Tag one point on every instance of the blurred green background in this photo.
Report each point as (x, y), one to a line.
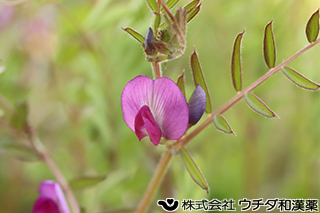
(70, 60)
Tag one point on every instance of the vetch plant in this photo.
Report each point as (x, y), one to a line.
(156, 50)
(157, 108)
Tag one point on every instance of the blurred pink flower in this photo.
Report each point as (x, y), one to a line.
(6, 15)
(155, 107)
(51, 199)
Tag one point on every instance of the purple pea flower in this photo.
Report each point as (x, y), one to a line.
(155, 107)
(197, 105)
(51, 199)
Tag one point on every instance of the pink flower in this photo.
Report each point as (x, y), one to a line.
(156, 108)
(51, 199)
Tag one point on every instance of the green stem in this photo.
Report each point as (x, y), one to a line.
(156, 68)
(155, 182)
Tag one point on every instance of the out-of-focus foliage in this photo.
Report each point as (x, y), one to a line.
(70, 60)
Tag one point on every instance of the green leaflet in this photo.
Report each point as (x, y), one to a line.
(84, 182)
(189, 7)
(157, 21)
(180, 83)
(170, 4)
(153, 5)
(259, 106)
(222, 124)
(312, 28)
(134, 34)
(1, 112)
(236, 63)
(193, 169)
(299, 79)
(20, 118)
(193, 13)
(21, 152)
(269, 46)
(198, 78)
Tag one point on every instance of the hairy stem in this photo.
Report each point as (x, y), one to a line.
(155, 182)
(156, 68)
(185, 140)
